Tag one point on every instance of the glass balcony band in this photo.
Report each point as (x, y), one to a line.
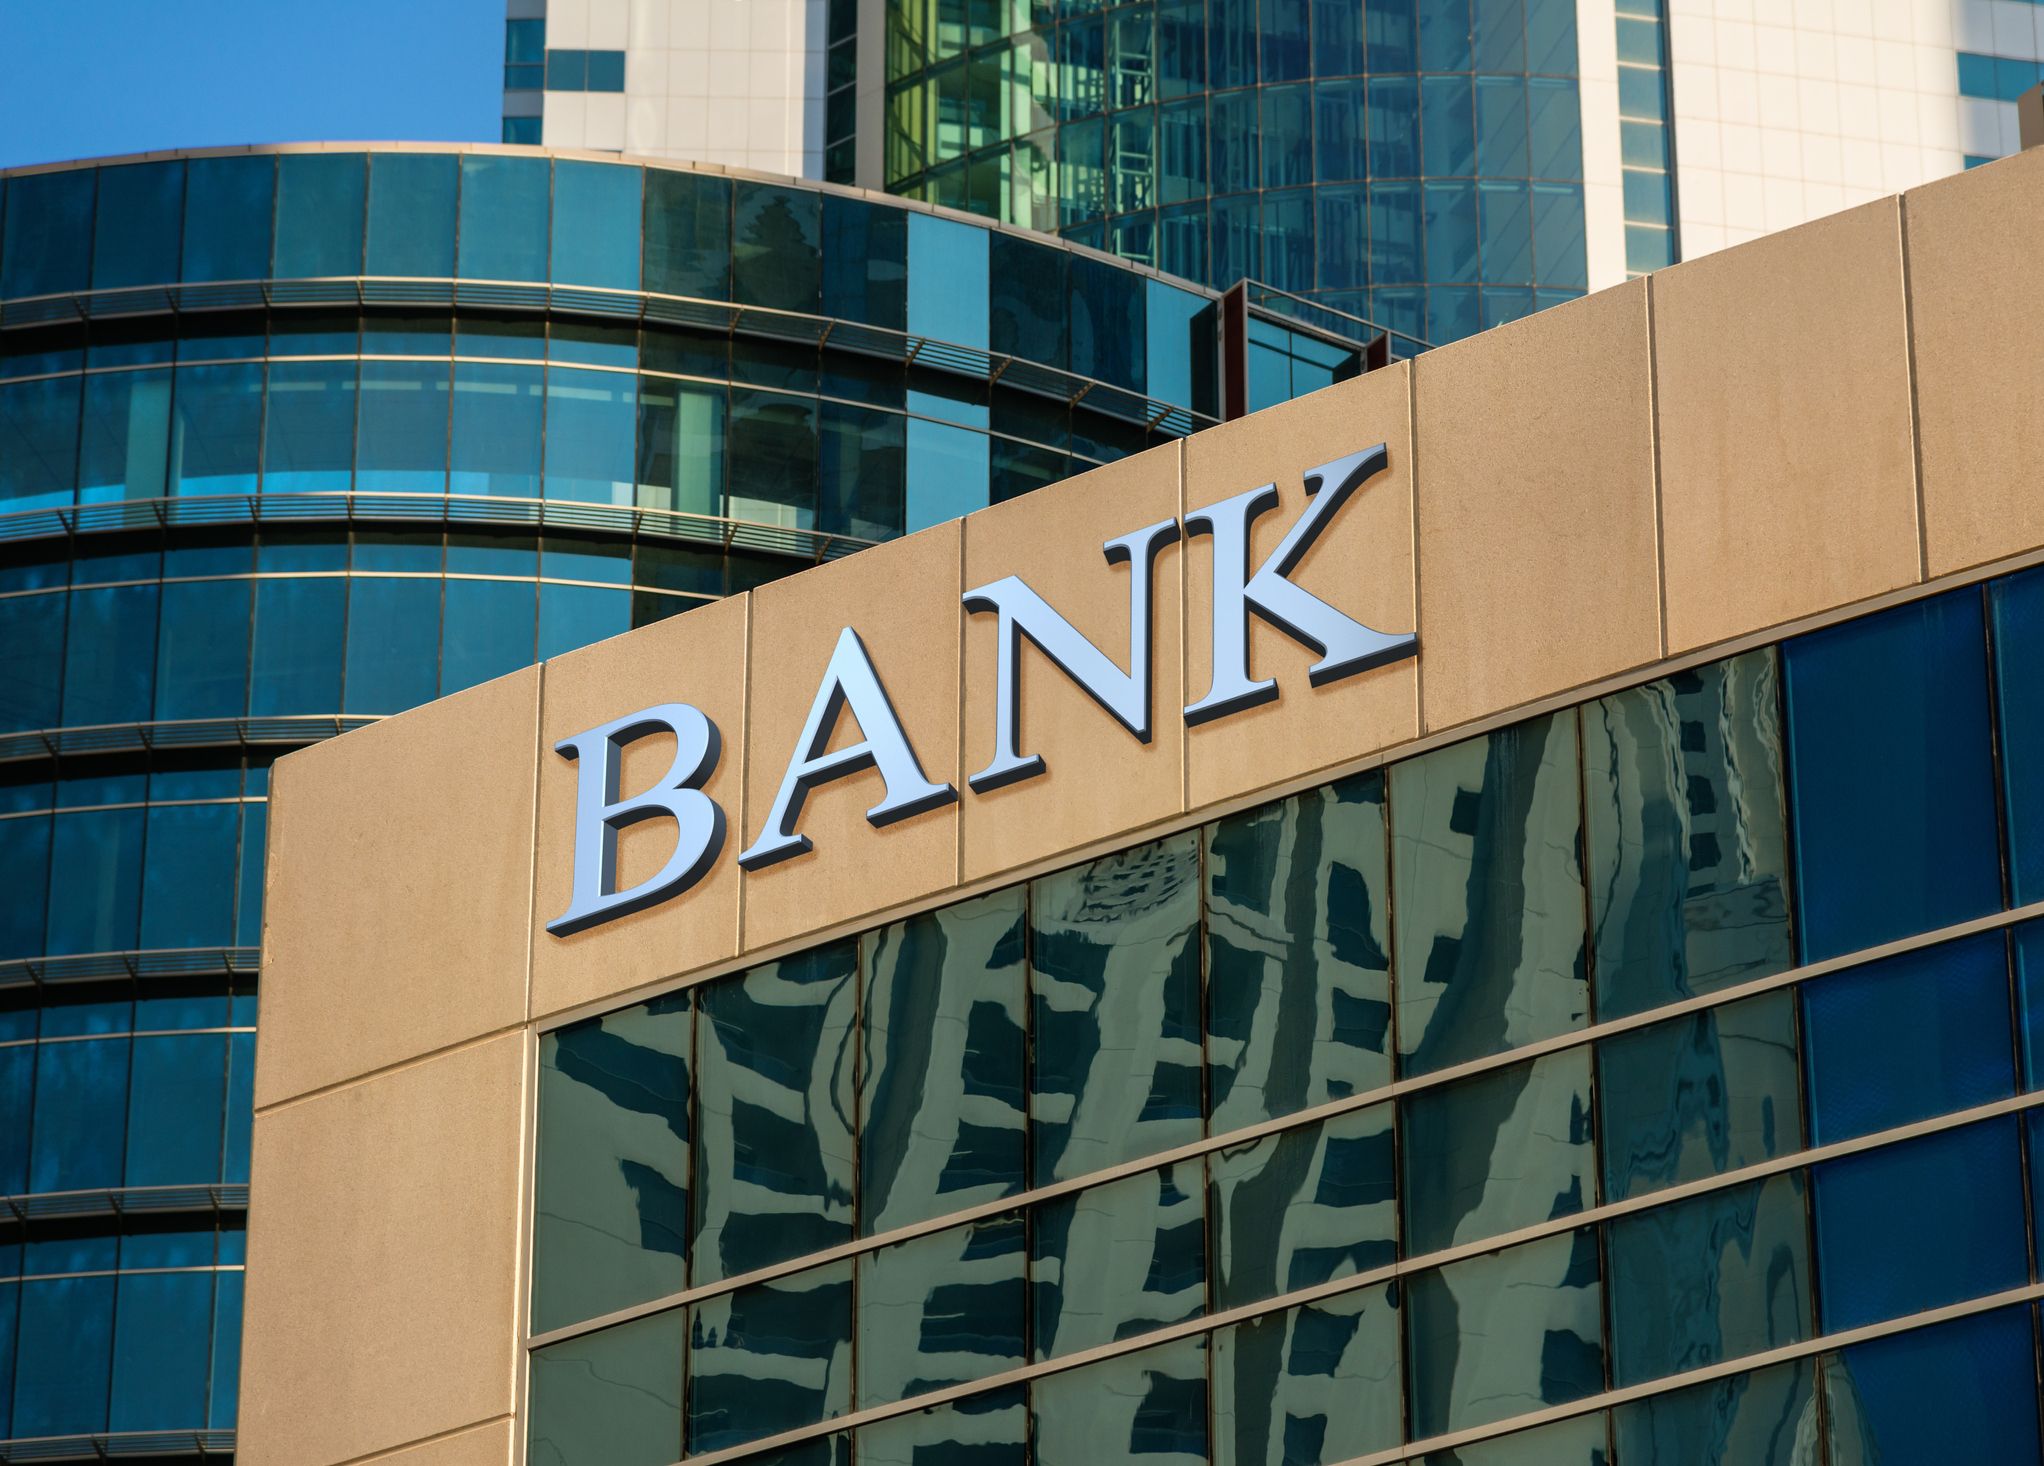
(189, 733)
(115, 1444)
(140, 966)
(1431, 1081)
(122, 1201)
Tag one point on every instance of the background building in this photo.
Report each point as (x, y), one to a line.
(293, 439)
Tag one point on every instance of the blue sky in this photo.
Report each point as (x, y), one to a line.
(88, 78)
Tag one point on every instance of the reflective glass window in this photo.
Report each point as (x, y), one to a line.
(1505, 1334)
(688, 234)
(401, 428)
(518, 337)
(946, 473)
(1490, 932)
(503, 218)
(188, 880)
(572, 616)
(38, 443)
(1026, 309)
(770, 1358)
(320, 198)
(488, 628)
(1303, 1207)
(593, 343)
(492, 554)
(773, 458)
(1718, 1277)
(1915, 1036)
(1961, 1391)
(603, 246)
(1686, 834)
(589, 422)
(993, 1428)
(611, 1398)
(1107, 323)
(498, 421)
(863, 465)
(1699, 1096)
(135, 236)
(2018, 606)
(1149, 1407)
(611, 1218)
(216, 430)
(228, 208)
(81, 1110)
(1580, 1440)
(393, 653)
(681, 447)
(1298, 971)
(46, 234)
(1920, 1224)
(65, 1356)
(1317, 1383)
(1114, 988)
(309, 427)
(1118, 1260)
(776, 259)
(398, 333)
(295, 664)
(124, 446)
(947, 280)
(775, 1105)
(25, 870)
(1893, 780)
(220, 1410)
(412, 198)
(175, 1090)
(1766, 1418)
(108, 666)
(220, 336)
(942, 1310)
(865, 262)
(942, 1063)
(302, 549)
(314, 333)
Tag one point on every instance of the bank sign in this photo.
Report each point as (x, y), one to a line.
(1344, 646)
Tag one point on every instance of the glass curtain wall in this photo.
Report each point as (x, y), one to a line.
(1419, 165)
(1137, 1115)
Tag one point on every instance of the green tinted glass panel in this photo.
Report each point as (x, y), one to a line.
(611, 1398)
(1303, 1207)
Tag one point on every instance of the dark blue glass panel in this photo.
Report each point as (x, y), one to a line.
(80, 1115)
(304, 550)
(776, 255)
(314, 333)
(589, 421)
(401, 428)
(1286, 136)
(1501, 148)
(770, 1358)
(1451, 246)
(1505, 223)
(688, 235)
(1392, 35)
(600, 245)
(2027, 942)
(1891, 775)
(218, 429)
(1915, 1036)
(498, 420)
(226, 1351)
(31, 661)
(46, 237)
(240, 1108)
(1341, 152)
(1920, 1224)
(320, 214)
(163, 1325)
(865, 262)
(125, 443)
(1397, 243)
(10, 1320)
(221, 336)
(228, 207)
(174, 1097)
(188, 876)
(38, 443)
(108, 655)
(17, 1099)
(1447, 126)
(393, 644)
(572, 616)
(503, 218)
(412, 199)
(95, 881)
(1962, 1391)
(488, 631)
(296, 665)
(135, 237)
(2018, 606)
(70, 1250)
(1108, 324)
(25, 872)
(309, 427)
(492, 554)
(64, 1356)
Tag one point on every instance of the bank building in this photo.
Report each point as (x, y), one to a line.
(867, 835)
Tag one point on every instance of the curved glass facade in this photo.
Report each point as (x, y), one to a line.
(1490, 1106)
(1416, 164)
(291, 441)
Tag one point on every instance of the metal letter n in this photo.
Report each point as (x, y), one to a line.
(1346, 646)
(600, 814)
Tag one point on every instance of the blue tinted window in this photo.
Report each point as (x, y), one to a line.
(228, 205)
(80, 1115)
(1920, 1224)
(572, 616)
(492, 554)
(1915, 1036)
(38, 443)
(1107, 324)
(412, 200)
(302, 549)
(2018, 606)
(309, 427)
(135, 238)
(319, 214)
(393, 644)
(296, 663)
(188, 877)
(401, 428)
(775, 256)
(688, 235)
(17, 1096)
(488, 631)
(947, 280)
(1559, 251)
(601, 246)
(46, 236)
(65, 1355)
(108, 664)
(947, 473)
(202, 650)
(147, 341)
(503, 218)
(589, 421)
(1554, 124)
(220, 336)
(1892, 783)
(175, 1093)
(218, 429)
(498, 418)
(25, 871)
(1962, 1391)
(2027, 941)
(163, 1324)
(226, 1350)
(124, 446)
(248, 921)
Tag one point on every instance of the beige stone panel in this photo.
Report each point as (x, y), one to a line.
(398, 886)
(383, 1259)
(1099, 781)
(1361, 565)
(902, 600)
(1787, 476)
(1976, 298)
(696, 658)
(1533, 461)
